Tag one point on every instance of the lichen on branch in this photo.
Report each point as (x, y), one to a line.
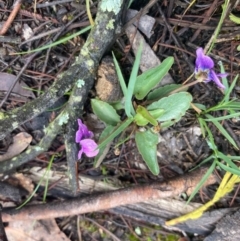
(79, 77)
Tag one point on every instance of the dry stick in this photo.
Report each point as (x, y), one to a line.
(189, 24)
(114, 237)
(3, 236)
(141, 13)
(94, 203)
(81, 73)
(206, 19)
(11, 17)
(100, 39)
(211, 41)
(75, 107)
(175, 39)
(53, 129)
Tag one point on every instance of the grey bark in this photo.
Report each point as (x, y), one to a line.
(80, 76)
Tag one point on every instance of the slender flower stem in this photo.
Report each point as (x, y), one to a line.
(184, 86)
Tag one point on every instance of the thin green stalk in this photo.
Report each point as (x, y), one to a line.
(39, 183)
(211, 43)
(89, 12)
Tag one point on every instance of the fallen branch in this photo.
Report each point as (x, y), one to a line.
(81, 76)
(125, 196)
(84, 68)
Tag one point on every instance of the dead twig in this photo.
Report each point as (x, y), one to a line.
(176, 41)
(11, 17)
(125, 196)
(3, 236)
(206, 18)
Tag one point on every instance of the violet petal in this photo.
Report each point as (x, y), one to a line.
(79, 136)
(89, 147)
(203, 61)
(215, 78)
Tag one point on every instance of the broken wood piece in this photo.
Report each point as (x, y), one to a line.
(170, 188)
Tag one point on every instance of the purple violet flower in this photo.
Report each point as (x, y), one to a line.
(204, 69)
(83, 137)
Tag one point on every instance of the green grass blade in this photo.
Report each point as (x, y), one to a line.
(203, 162)
(225, 7)
(47, 178)
(227, 160)
(223, 117)
(132, 81)
(120, 76)
(62, 40)
(223, 131)
(200, 120)
(236, 158)
(228, 169)
(230, 105)
(116, 132)
(203, 180)
(229, 91)
(39, 183)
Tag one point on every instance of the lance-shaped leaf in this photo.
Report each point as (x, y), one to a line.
(150, 78)
(147, 146)
(132, 81)
(105, 112)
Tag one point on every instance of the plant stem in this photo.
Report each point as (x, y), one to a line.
(184, 86)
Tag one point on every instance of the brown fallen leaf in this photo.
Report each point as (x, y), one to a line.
(29, 230)
(20, 142)
(6, 81)
(22, 180)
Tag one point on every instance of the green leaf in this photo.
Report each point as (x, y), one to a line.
(229, 169)
(228, 160)
(222, 130)
(200, 120)
(200, 106)
(235, 158)
(117, 130)
(122, 83)
(169, 123)
(140, 120)
(161, 92)
(120, 76)
(234, 18)
(133, 77)
(150, 78)
(105, 112)
(143, 112)
(102, 151)
(228, 91)
(233, 105)
(156, 113)
(62, 40)
(224, 79)
(147, 146)
(225, 117)
(174, 106)
(203, 180)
